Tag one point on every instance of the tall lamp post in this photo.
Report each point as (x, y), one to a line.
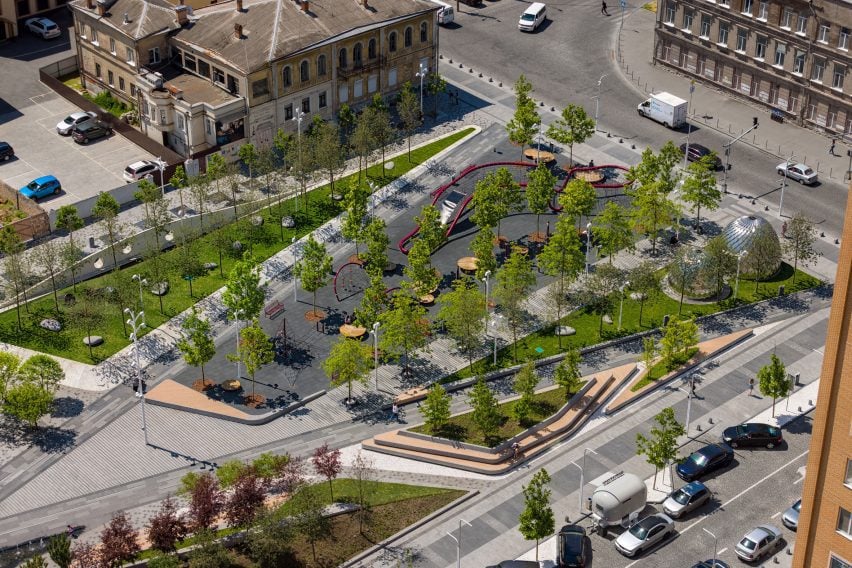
(715, 544)
(588, 244)
(487, 281)
(688, 394)
(598, 101)
(728, 153)
(137, 323)
(142, 282)
(295, 262)
(582, 477)
(494, 337)
(621, 307)
(238, 315)
(737, 282)
(421, 74)
(689, 124)
(376, 352)
(784, 185)
(458, 541)
(298, 116)
(161, 165)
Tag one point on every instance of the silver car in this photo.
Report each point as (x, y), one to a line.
(759, 542)
(802, 173)
(790, 518)
(645, 534)
(687, 498)
(72, 121)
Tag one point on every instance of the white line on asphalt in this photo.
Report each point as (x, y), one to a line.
(721, 551)
(775, 515)
(52, 48)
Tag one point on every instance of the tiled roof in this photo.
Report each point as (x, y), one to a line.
(143, 17)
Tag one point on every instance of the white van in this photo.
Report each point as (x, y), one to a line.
(532, 17)
(445, 12)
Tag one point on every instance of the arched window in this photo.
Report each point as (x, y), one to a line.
(304, 72)
(408, 36)
(341, 58)
(321, 65)
(371, 49)
(424, 32)
(356, 55)
(392, 42)
(287, 77)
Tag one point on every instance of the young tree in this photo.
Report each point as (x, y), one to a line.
(508, 194)
(313, 267)
(364, 473)
(436, 409)
(578, 199)
(408, 108)
(435, 85)
(761, 261)
(376, 238)
(327, 463)
(660, 449)
(382, 131)
(720, 262)
(463, 312)
(539, 192)
(537, 520)
(515, 280)
(355, 203)
(349, 360)
(186, 259)
(373, 303)
(267, 168)
(311, 521)
(166, 527)
(228, 472)
(612, 230)
(16, 268)
(772, 380)
(156, 270)
(269, 541)
(678, 338)
(157, 213)
(431, 230)
(48, 256)
(246, 499)
(222, 241)
(164, 560)
(420, 270)
(9, 364)
(59, 550)
(561, 257)
(205, 502)
(28, 402)
(255, 351)
(598, 289)
(328, 151)
(346, 121)
(196, 343)
(362, 139)
(486, 412)
(244, 295)
(119, 541)
(42, 370)
(67, 219)
(567, 373)
(645, 283)
(487, 206)
(88, 314)
(482, 248)
(649, 352)
(573, 127)
(209, 552)
(799, 246)
(250, 157)
(199, 192)
(405, 328)
(524, 384)
(699, 187)
(524, 124)
(651, 182)
(69, 257)
(122, 293)
(106, 209)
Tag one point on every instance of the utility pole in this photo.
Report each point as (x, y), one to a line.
(728, 153)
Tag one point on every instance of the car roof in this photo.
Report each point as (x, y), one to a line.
(693, 487)
(710, 450)
(760, 532)
(572, 529)
(80, 114)
(42, 19)
(141, 164)
(652, 521)
(4, 144)
(697, 147)
(44, 179)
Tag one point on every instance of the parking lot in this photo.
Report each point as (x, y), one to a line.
(29, 112)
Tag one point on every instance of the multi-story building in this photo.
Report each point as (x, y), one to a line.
(792, 56)
(209, 77)
(824, 536)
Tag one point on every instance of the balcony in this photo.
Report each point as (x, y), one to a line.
(360, 68)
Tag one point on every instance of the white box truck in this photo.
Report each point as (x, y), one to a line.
(665, 108)
(446, 15)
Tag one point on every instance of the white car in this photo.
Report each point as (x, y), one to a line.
(43, 27)
(138, 170)
(70, 122)
(802, 173)
(645, 534)
(759, 542)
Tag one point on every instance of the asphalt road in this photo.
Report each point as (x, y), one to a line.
(565, 58)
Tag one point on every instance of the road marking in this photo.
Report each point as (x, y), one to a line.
(721, 551)
(775, 515)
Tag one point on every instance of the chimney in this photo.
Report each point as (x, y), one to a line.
(90, 4)
(239, 5)
(126, 18)
(305, 6)
(102, 7)
(182, 14)
(365, 3)
(238, 31)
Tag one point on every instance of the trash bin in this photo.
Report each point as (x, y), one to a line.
(781, 290)
(665, 320)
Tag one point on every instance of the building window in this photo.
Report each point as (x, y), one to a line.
(836, 562)
(705, 25)
(725, 3)
(112, 46)
(132, 90)
(94, 36)
(98, 71)
(371, 49)
(818, 69)
(392, 77)
(306, 105)
(848, 479)
(799, 62)
(343, 93)
(321, 66)
(121, 83)
(287, 77)
(760, 47)
(802, 24)
(392, 42)
(372, 83)
(208, 126)
(687, 19)
(408, 34)
(742, 39)
(837, 80)
(154, 55)
(341, 58)
(843, 39)
(162, 117)
(189, 62)
(780, 50)
(748, 5)
(131, 57)
(304, 72)
(787, 18)
(723, 33)
(218, 76)
(323, 101)
(357, 59)
(424, 32)
(110, 78)
(260, 88)
(181, 123)
(763, 10)
(288, 112)
(823, 33)
(42, 5)
(671, 10)
(844, 522)
(23, 7)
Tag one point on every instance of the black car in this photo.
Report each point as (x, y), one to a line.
(89, 131)
(712, 564)
(571, 545)
(6, 151)
(705, 460)
(697, 151)
(752, 434)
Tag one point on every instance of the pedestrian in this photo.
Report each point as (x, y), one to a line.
(784, 229)
(692, 387)
(70, 531)
(516, 451)
(750, 386)
(395, 412)
(603, 8)
(831, 150)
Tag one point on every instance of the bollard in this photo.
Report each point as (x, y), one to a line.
(608, 135)
(830, 171)
(470, 70)
(480, 74)
(541, 103)
(698, 427)
(810, 403)
(91, 242)
(766, 207)
(837, 241)
(500, 84)
(451, 59)
(552, 109)
(461, 65)
(711, 420)
(441, 56)
(822, 233)
(491, 79)
(800, 409)
(621, 140)
(633, 146)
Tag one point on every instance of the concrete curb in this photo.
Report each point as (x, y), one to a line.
(253, 421)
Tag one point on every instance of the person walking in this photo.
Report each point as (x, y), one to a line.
(516, 451)
(603, 8)
(831, 150)
(784, 229)
(395, 412)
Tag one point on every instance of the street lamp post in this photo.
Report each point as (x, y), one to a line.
(737, 281)
(421, 74)
(688, 394)
(376, 352)
(137, 323)
(621, 308)
(487, 281)
(598, 101)
(582, 477)
(588, 244)
(784, 185)
(715, 544)
(295, 262)
(142, 282)
(728, 153)
(237, 316)
(161, 165)
(458, 541)
(494, 337)
(373, 187)
(689, 124)
(298, 116)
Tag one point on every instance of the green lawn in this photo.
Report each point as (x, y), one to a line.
(463, 429)
(346, 491)
(268, 241)
(544, 342)
(661, 369)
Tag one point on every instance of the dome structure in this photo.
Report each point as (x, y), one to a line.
(753, 234)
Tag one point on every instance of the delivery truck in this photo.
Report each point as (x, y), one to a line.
(446, 15)
(665, 108)
(618, 501)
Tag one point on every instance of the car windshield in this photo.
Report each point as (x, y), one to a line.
(50, 26)
(798, 507)
(681, 496)
(699, 459)
(528, 17)
(639, 531)
(571, 546)
(32, 185)
(748, 544)
(69, 120)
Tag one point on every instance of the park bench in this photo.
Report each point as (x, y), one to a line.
(273, 309)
